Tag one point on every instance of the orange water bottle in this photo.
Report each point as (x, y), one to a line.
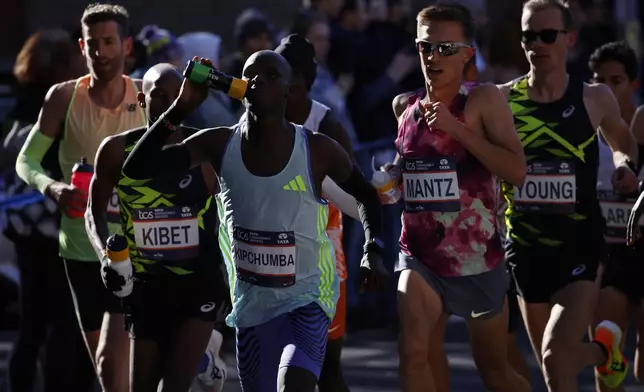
(383, 182)
(118, 255)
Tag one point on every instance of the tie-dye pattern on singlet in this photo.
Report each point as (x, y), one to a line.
(452, 235)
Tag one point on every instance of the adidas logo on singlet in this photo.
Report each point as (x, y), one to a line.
(296, 184)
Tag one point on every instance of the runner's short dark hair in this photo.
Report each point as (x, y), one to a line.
(618, 51)
(448, 12)
(561, 5)
(97, 12)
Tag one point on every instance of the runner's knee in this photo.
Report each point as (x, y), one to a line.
(108, 366)
(556, 359)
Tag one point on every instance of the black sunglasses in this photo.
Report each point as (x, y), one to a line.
(547, 36)
(443, 48)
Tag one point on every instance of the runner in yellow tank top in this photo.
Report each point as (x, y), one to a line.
(81, 113)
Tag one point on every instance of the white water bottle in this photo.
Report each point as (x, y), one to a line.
(118, 256)
(382, 181)
(212, 371)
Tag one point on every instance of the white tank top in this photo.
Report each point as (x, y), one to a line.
(316, 115)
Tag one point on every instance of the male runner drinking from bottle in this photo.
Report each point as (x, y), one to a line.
(454, 137)
(314, 116)
(81, 113)
(272, 234)
(555, 229)
(169, 224)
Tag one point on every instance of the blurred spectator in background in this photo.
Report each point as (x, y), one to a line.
(253, 32)
(347, 39)
(386, 66)
(216, 110)
(329, 8)
(161, 47)
(314, 27)
(47, 312)
(137, 61)
(595, 26)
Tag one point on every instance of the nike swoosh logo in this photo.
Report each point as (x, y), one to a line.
(477, 315)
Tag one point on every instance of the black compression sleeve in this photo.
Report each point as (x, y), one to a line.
(369, 207)
(150, 158)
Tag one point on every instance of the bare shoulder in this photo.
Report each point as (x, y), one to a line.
(400, 103)
(485, 90)
(216, 138)
(505, 88)
(487, 94)
(598, 92)
(61, 93)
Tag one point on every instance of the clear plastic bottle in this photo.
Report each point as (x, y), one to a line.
(118, 255)
(383, 182)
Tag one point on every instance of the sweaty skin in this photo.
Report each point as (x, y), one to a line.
(267, 128)
(266, 148)
(109, 162)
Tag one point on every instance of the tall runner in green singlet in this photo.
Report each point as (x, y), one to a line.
(179, 287)
(81, 113)
(554, 224)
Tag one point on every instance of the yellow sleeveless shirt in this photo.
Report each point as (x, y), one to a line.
(86, 125)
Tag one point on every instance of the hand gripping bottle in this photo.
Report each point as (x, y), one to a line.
(82, 173)
(212, 370)
(118, 256)
(382, 181)
(203, 74)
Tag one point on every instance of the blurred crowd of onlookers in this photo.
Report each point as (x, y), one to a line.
(365, 52)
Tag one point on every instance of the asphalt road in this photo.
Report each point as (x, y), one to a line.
(370, 363)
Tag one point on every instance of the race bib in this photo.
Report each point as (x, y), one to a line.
(166, 234)
(431, 185)
(549, 188)
(113, 209)
(616, 210)
(265, 258)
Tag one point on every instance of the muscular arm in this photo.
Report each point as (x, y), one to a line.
(613, 127)
(501, 152)
(341, 170)
(399, 104)
(331, 127)
(151, 159)
(41, 137)
(108, 162)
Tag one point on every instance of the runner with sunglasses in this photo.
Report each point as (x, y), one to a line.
(555, 228)
(454, 137)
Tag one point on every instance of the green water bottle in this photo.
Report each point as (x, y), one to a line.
(203, 74)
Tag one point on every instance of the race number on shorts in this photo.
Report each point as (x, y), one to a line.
(265, 258)
(430, 185)
(113, 209)
(166, 234)
(549, 188)
(616, 210)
